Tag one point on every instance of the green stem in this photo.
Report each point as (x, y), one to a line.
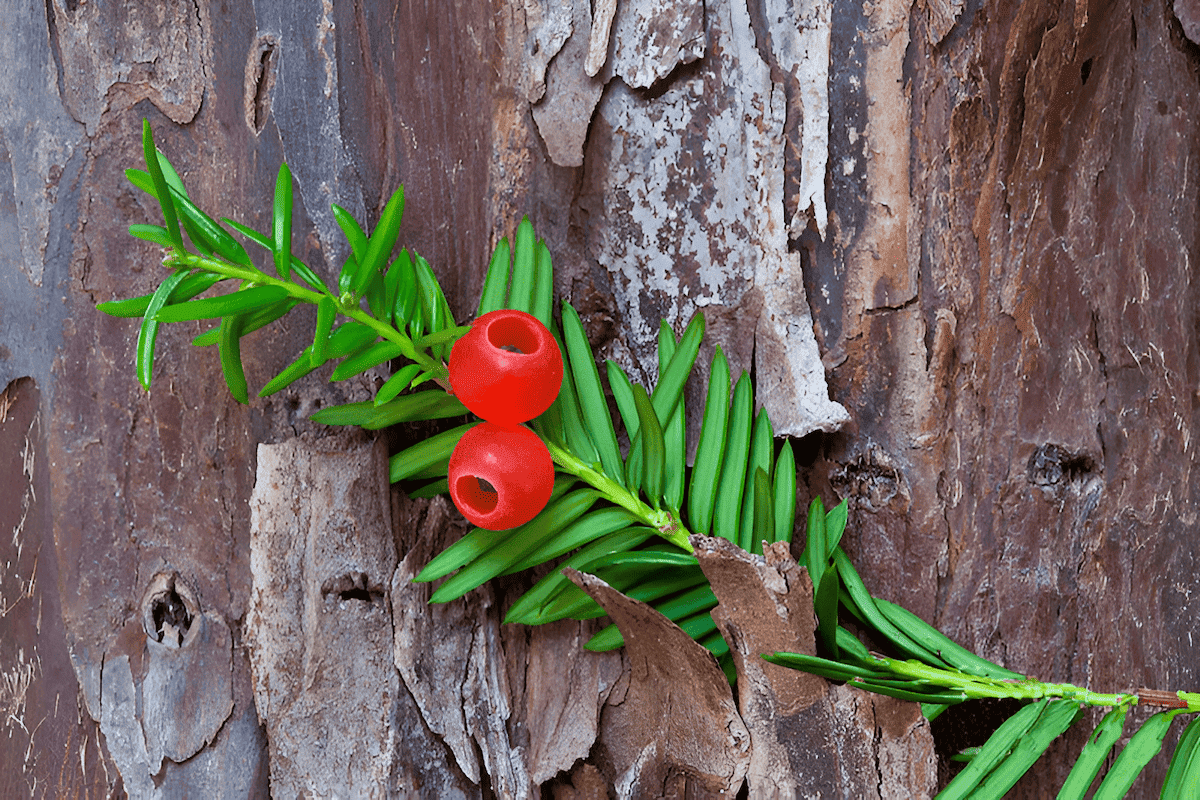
(192, 261)
(436, 369)
(976, 687)
(667, 523)
(347, 306)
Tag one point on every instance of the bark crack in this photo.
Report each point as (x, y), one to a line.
(886, 309)
(56, 53)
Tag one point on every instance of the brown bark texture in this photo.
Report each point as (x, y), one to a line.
(975, 219)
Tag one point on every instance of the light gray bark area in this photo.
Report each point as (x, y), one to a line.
(682, 221)
(176, 726)
(119, 54)
(319, 626)
(162, 702)
(650, 38)
(797, 34)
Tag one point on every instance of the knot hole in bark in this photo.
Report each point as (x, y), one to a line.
(1052, 467)
(169, 607)
(871, 481)
(352, 586)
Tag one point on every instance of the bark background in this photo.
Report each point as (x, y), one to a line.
(984, 210)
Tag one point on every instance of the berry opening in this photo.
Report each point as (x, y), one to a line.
(477, 493)
(514, 335)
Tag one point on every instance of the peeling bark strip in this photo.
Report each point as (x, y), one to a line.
(796, 35)
(565, 113)
(319, 625)
(450, 659)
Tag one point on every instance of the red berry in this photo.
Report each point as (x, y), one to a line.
(501, 476)
(508, 368)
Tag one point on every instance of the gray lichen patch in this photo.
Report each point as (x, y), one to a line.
(651, 38)
(686, 194)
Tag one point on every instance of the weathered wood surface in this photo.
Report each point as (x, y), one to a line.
(990, 207)
(1008, 306)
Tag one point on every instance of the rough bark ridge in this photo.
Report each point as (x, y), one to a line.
(318, 627)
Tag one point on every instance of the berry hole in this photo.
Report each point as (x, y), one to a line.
(513, 335)
(478, 493)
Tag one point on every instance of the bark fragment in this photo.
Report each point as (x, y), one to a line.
(797, 34)
(676, 727)
(570, 96)
(808, 737)
(561, 692)
(603, 12)
(550, 23)
(1188, 14)
(942, 14)
(188, 691)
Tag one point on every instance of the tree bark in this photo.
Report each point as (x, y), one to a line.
(976, 219)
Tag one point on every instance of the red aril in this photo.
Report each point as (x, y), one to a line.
(500, 476)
